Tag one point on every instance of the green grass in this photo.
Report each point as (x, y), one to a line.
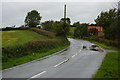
(104, 46)
(109, 67)
(17, 61)
(71, 32)
(19, 37)
(72, 29)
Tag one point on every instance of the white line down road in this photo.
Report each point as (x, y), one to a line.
(61, 62)
(38, 74)
(72, 63)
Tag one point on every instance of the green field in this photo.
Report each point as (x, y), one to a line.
(14, 43)
(19, 37)
(72, 29)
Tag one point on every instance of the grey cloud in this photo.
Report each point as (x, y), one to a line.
(13, 13)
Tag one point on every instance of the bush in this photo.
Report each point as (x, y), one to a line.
(31, 47)
(114, 43)
(81, 30)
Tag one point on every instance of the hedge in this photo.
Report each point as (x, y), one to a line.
(114, 43)
(10, 28)
(34, 46)
(43, 32)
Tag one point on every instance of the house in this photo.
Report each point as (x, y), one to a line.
(99, 28)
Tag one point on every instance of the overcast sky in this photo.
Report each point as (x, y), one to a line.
(14, 13)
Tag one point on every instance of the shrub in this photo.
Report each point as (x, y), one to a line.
(32, 47)
(114, 43)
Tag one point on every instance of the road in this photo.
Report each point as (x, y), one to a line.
(75, 62)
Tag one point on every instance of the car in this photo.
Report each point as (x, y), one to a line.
(94, 47)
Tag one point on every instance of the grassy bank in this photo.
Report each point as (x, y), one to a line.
(109, 67)
(17, 61)
(29, 45)
(20, 37)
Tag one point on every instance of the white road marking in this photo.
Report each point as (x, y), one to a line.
(61, 63)
(38, 74)
(68, 59)
(77, 52)
(73, 56)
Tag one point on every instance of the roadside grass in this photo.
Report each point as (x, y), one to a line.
(17, 61)
(20, 37)
(104, 46)
(109, 67)
(110, 64)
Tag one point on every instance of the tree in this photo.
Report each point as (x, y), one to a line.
(65, 19)
(106, 18)
(110, 22)
(93, 31)
(62, 28)
(76, 24)
(33, 18)
(48, 25)
(113, 31)
(81, 30)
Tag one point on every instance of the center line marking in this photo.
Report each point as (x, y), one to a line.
(38, 74)
(61, 63)
(77, 52)
(73, 56)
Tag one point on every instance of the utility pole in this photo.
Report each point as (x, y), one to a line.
(65, 11)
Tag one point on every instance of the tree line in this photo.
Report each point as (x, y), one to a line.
(61, 28)
(110, 20)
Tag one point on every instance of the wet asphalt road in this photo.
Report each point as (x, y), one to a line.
(75, 62)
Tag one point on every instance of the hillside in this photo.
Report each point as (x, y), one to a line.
(19, 37)
(22, 46)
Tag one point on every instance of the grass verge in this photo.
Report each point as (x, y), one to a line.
(103, 45)
(109, 67)
(17, 61)
(110, 64)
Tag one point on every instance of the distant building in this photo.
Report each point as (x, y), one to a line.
(99, 28)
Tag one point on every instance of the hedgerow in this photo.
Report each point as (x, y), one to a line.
(114, 43)
(34, 46)
(43, 32)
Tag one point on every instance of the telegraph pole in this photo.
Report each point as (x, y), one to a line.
(65, 11)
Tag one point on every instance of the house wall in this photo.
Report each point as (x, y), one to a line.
(99, 28)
